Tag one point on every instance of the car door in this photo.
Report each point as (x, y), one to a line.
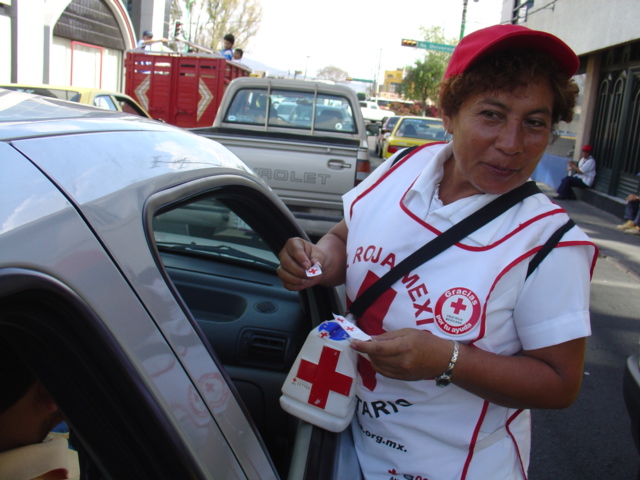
(218, 250)
(196, 235)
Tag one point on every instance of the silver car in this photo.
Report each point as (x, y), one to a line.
(138, 281)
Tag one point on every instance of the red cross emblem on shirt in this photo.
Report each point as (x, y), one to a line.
(324, 378)
(458, 306)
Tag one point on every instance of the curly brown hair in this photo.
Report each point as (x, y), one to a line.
(507, 71)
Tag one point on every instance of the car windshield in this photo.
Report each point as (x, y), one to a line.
(291, 109)
(207, 228)
(421, 128)
(46, 92)
(392, 122)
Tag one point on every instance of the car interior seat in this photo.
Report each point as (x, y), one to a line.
(329, 119)
(409, 131)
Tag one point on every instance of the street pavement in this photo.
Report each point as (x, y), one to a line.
(623, 249)
(591, 439)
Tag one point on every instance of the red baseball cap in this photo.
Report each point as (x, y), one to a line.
(587, 148)
(481, 43)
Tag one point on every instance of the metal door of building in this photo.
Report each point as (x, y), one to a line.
(616, 127)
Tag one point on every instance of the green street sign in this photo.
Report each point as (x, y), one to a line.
(439, 47)
(364, 80)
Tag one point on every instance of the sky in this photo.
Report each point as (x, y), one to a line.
(361, 37)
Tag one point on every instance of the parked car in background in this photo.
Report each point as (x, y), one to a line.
(118, 102)
(284, 109)
(387, 125)
(372, 112)
(412, 131)
(138, 282)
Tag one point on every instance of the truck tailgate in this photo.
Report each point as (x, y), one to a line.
(302, 173)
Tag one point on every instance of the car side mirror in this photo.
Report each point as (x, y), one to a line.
(372, 129)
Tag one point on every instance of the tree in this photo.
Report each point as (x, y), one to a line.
(332, 73)
(207, 21)
(421, 80)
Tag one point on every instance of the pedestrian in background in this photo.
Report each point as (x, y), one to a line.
(631, 215)
(581, 175)
(146, 42)
(227, 42)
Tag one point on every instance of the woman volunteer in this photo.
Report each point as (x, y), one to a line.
(465, 343)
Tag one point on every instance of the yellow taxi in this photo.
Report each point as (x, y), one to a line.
(412, 131)
(105, 99)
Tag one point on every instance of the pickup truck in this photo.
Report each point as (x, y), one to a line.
(371, 112)
(307, 140)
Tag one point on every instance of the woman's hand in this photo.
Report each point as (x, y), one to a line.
(299, 255)
(407, 354)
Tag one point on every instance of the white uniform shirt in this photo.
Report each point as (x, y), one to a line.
(475, 293)
(588, 168)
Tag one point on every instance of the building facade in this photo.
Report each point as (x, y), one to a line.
(606, 37)
(74, 42)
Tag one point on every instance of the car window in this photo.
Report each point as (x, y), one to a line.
(104, 101)
(249, 106)
(206, 228)
(334, 113)
(218, 252)
(421, 128)
(127, 106)
(292, 109)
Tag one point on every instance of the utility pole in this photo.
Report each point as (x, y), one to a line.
(376, 86)
(464, 17)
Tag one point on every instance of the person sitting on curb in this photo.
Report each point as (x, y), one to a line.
(631, 215)
(28, 414)
(581, 175)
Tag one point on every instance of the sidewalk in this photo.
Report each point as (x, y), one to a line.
(617, 246)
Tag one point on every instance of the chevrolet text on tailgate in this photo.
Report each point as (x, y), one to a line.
(307, 140)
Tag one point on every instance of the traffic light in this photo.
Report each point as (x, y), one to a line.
(177, 29)
(409, 43)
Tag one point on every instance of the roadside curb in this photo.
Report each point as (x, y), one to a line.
(620, 265)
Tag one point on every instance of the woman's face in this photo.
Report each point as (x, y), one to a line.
(498, 140)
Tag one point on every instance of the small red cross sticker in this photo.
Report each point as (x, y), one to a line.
(324, 378)
(314, 271)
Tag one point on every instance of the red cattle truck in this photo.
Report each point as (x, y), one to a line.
(183, 89)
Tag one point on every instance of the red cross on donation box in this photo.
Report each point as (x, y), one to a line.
(324, 378)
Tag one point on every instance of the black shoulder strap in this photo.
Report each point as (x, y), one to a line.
(549, 245)
(403, 153)
(443, 241)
